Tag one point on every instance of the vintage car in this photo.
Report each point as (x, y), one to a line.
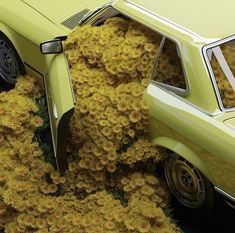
(192, 114)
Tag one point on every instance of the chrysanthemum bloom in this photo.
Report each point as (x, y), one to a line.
(104, 160)
(124, 121)
(139, 181)
(131, 133)
(109, 225)
(22, 218)
(30, 220)
(143, 226)
(106, 131)
(122, 106)
(135, 116)
(124, 180)
(112, 155)
(151, 179)
(147, 190)
(40, 222)
(130, 223)
(108, 146)
(111, 167)
(117, 129)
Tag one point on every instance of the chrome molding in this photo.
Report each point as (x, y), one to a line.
(228, 196)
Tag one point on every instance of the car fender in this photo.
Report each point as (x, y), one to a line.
(12, 36)
(182, 150)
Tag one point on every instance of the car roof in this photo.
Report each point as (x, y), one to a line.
(211, 20)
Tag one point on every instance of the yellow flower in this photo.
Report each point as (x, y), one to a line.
(52, 188)
(108, 146)
(104, 160)
(106, 131)
(147, 190)
(124, 121)
(135, 116)
(137, 91)
(117, 129)
(22, 218)
(111, 167)
(139, 181)
(119, 136)
(29, 220)
(131, 133)
(112, 156)
(143, 226)
(122, 106)
(103, 122)
(130, 223)
(83, 108)
(40, 223)
(109, 225)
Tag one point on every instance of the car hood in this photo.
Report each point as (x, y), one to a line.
(57, 12)
(54, 11)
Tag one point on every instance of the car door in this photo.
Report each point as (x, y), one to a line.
(60, 101)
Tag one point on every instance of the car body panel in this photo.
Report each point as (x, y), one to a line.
(210, 141)
(215, 16)
(28, 22)
(57, 13)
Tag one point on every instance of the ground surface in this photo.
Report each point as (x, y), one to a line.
(222, 220)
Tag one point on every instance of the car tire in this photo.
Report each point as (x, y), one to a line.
(192, 192)
(10, 64)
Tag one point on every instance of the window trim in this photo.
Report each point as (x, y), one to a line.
(205, 49)
(177, 90)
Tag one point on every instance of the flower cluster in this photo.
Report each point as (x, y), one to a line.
(142, 150)
(138, 185)
(109, 81)
(146, 197)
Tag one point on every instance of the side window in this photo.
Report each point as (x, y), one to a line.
(168, 69)
(222, 63)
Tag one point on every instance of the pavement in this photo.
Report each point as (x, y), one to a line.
(221, 220)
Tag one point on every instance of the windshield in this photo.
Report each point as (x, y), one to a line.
(222, 61)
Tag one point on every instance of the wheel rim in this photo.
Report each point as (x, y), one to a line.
(8, 65)
(184, 181)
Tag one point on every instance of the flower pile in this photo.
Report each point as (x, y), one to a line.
(105, 189)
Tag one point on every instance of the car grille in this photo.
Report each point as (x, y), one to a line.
(74, 20)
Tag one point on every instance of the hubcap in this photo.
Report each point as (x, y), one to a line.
(184, 181)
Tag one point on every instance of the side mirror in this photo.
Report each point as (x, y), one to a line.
(51, 47)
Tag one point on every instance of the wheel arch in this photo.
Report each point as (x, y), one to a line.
(184, 151)
(10, 36)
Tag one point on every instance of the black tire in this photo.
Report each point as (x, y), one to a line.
(10, 64)
(192, 191)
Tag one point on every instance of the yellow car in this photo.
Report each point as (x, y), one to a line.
(191, 113)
